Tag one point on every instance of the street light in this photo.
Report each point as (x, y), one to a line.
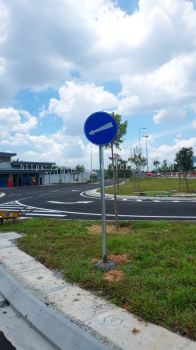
(91, 176)
(139, 138)
(146, 137)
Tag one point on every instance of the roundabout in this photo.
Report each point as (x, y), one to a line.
(81, 201)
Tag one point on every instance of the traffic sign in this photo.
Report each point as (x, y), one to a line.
(100, 128)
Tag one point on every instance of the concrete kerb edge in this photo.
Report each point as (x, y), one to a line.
(51, 325)
(94, 193)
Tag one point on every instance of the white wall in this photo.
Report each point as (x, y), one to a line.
(65, 178)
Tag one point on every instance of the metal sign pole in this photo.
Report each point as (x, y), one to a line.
(101, 129)
(104, 245)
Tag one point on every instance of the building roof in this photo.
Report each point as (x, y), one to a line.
(3, 154)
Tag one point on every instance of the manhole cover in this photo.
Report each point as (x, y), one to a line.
(112, 320)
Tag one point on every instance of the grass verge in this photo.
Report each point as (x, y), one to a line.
(155, 187)
(157, 278)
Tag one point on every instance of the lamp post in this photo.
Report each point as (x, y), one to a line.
(139, 138)
(146, 137)
(91, 176)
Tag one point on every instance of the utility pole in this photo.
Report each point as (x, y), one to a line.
(139, 139)
(146, 137)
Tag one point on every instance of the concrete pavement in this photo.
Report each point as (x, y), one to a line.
(49, 304)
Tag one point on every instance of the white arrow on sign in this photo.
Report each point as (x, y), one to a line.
(102, 128)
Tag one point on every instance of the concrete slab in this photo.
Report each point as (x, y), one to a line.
(10, 235)
(12, 255)
(42, 279)
(19, 332)
(58, 330)
(130, 334)
(4, 243)
(79, 303)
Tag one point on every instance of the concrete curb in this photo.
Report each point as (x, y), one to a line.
(94, 193)
(59, 331)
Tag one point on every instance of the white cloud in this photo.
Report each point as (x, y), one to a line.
(151, 53)
(13, 121)
(169, 114)
(168, 151)
(171, 85)
(42, 45)
(77, 101)
(57, 147)
(194, 123)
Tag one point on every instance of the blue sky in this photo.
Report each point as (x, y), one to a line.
(61, 63)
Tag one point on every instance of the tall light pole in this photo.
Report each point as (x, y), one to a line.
(91, 176)
(146, 137)
(139, 138)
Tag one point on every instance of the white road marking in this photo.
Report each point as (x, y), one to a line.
(124, 199)
(78, 202)
(102, 128)
(139, 200)
(134, 216)
(156, 201)
(30, 207)
(44, 214)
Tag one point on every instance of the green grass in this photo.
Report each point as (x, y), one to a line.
(155, 186)
(159, 280)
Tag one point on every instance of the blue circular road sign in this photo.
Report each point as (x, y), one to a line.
(100, 128)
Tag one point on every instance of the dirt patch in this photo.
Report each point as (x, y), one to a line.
(94, 229)
(116, 258)
(114, 276)
(95, 260)
(119, 259)
(135, 331)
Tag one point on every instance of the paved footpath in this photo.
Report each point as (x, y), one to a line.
(39, 295)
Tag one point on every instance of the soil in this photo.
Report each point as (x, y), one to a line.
(120, 259)
(114, 276)
(110, 228)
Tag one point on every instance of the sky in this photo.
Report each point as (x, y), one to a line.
(61, 60)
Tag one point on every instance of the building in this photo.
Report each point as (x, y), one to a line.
(21, 173)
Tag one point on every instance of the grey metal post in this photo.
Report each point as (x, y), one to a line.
(103, 214)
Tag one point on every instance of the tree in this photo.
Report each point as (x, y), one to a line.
(164, 167)
(115, 144)
(79, 169)
(184, 162)
(156, 164)
(139, 161)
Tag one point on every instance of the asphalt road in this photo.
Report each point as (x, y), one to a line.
(4, 343)
(68, 201)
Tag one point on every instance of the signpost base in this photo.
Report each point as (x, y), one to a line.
(105, 266)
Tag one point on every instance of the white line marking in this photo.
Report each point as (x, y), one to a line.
(79, 202)
(44, 209)
(125, 215)
(44, 214)
(176, 201)
(124, 199)
(134, 216)
(102, 128)
(139, 200)
(156, 201)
